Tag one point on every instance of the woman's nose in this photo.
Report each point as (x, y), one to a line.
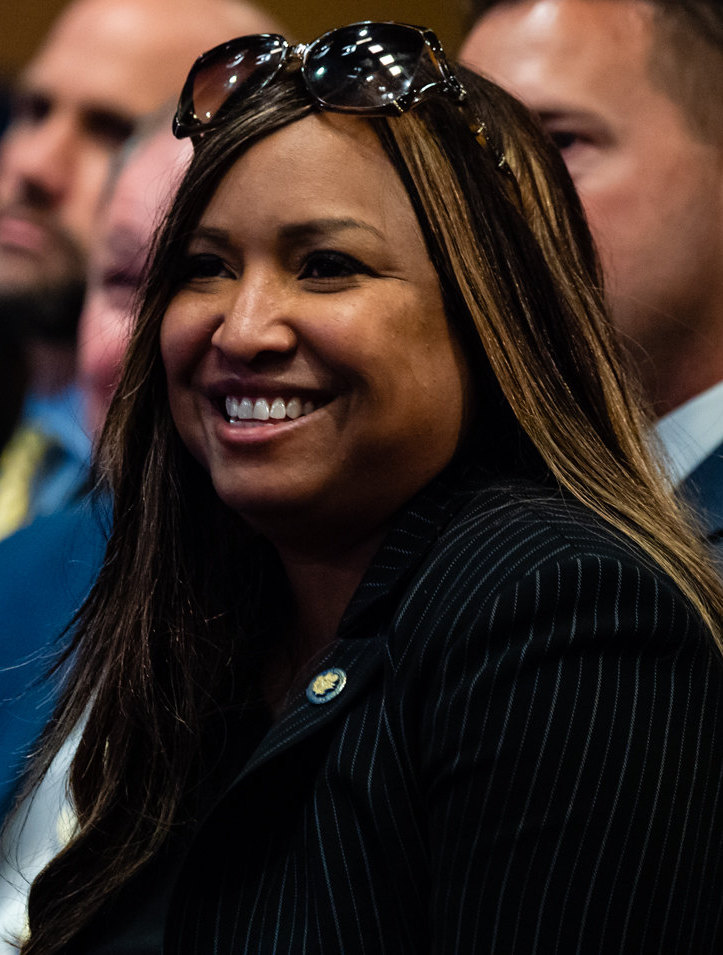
(257, 321)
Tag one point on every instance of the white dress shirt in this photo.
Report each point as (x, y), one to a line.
(36, 833)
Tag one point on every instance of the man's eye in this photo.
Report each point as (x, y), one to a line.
(331, 265)
(563, 139)
(109, 128)
(29, 107)
(121, 279)
(118, 288)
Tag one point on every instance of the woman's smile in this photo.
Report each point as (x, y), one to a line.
(254, 417)
(248, 410)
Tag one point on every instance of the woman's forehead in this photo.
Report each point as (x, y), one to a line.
(322, 167)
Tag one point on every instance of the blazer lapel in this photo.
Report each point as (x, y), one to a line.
(358, 651)
(356, 661)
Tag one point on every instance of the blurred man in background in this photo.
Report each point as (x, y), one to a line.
(47, 568)
(632, 93)
(104, 65)
(70, 544)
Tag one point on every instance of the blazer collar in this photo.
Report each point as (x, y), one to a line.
(357, 660)
(411, 536)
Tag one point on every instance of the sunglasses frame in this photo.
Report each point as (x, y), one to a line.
(187, 123)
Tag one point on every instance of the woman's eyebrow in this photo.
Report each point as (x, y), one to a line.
(219, 237)
(291, 233)
(325, 227)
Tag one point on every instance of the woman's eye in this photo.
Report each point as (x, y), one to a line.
(203, 265)
(331, 265)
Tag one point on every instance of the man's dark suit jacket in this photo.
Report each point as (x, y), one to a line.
(526, 756)
(704, 490)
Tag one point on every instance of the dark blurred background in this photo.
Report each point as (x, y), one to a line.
(23, 22)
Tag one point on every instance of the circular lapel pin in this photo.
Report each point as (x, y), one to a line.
(326, 685)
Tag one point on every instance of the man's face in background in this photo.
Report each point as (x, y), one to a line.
(124, 230)
(77, 102)
(103, 66)
(651, 186)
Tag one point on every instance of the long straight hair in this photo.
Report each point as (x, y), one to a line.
(170, 633)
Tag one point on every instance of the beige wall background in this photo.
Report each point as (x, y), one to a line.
(24, 22)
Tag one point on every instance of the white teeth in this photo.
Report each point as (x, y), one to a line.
(278, 409)
(293, 408)
(263, 409)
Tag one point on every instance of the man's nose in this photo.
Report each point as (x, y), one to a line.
(39, 159)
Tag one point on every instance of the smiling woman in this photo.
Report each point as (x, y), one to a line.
(400, 644)
(307, 282)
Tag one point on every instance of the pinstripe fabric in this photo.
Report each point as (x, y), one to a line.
(526, 758)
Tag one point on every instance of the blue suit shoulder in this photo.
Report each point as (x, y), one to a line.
(46, 571)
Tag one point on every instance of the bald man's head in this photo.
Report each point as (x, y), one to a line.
(103, 65)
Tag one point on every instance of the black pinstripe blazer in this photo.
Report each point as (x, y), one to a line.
(525, 757)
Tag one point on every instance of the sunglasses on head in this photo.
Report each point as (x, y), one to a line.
(375, 69)
(370, 68)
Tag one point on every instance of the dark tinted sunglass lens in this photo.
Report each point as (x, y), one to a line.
(361, 66)
(241, 68)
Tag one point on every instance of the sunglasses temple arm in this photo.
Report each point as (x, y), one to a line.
(481, 133)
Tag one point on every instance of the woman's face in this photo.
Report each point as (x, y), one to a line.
(311, 368)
